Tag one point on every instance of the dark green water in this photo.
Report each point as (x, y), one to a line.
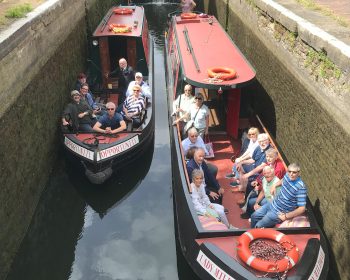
(121, 230)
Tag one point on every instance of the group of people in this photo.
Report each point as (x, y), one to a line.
(85, 115)
(272, 194)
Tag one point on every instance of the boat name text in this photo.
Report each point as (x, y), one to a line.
(117, 149)
(78, 149)
(212, 268)
(316, 272)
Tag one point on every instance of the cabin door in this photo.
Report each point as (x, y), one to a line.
(233, 107)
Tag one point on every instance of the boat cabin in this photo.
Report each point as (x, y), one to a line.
(123, 33)
(198, 49)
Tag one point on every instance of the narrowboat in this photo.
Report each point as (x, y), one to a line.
(200, 53)
(122, 33)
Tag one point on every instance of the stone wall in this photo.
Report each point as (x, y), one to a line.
(40, 57)
(309, 125)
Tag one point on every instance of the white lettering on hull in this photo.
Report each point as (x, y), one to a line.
(316, 272)
(212, 268)
(78, 149)
(117, 149)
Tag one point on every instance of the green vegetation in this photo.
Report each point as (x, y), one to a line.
(310, 4)
(319, 60)
(18, 11)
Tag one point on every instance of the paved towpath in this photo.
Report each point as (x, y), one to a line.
(339, 7)
(326, 23)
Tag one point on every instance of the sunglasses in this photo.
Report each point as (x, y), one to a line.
(110, 109)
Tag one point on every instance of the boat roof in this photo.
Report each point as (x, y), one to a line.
(212, 47)
(111, 17)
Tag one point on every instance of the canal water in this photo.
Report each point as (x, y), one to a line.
(123, 229)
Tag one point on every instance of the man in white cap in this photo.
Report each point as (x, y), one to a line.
(145, 90)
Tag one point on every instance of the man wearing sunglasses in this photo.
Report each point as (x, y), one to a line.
(289, 202)
(110, 123)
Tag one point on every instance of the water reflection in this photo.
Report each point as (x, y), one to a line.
(121, 230)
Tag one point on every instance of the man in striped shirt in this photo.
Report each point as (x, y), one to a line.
(289, 203)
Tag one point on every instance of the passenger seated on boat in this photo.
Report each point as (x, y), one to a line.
(273, 161)
(213, 189)
(110, 123)
(194, 140)
(199, 116)
(201, 201)
(70, 121)
(249, 169)
(187, 6)
(182, 106)
(81, 79)
(125, 75)
(289, 202)
(145, 90)
(133, 106)
(249, 144)
(78, 114)
(87, 97)
(268, 179)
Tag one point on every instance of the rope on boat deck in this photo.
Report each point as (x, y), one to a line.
(272, 252)
(215, 80)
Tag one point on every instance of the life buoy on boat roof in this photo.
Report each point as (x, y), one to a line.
(123, 11)
(281, 265)
(223, 73)
(188, 15)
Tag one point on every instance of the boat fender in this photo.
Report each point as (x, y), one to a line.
(188, 15)
(123, 11)
(99, 177)
(223, 73)
(281, 265)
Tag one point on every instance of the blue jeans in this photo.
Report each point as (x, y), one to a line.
(251, 202)
(85, 127)
(235, 171)
(264, 217)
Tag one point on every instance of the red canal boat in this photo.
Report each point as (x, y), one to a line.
(197, 48)
(123, 33)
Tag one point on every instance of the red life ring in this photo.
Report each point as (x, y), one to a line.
(282, 265)
(188, 15)
(123, 11)
(223, 73)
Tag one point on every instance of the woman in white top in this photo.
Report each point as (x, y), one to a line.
(200, 199)
(200, 115)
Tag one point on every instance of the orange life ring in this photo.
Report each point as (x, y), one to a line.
(188, 15)
(223, 73)
(123, 11)
(281, 265)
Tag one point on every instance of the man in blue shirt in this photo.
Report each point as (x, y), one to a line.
(289, 203)
(110, 123)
